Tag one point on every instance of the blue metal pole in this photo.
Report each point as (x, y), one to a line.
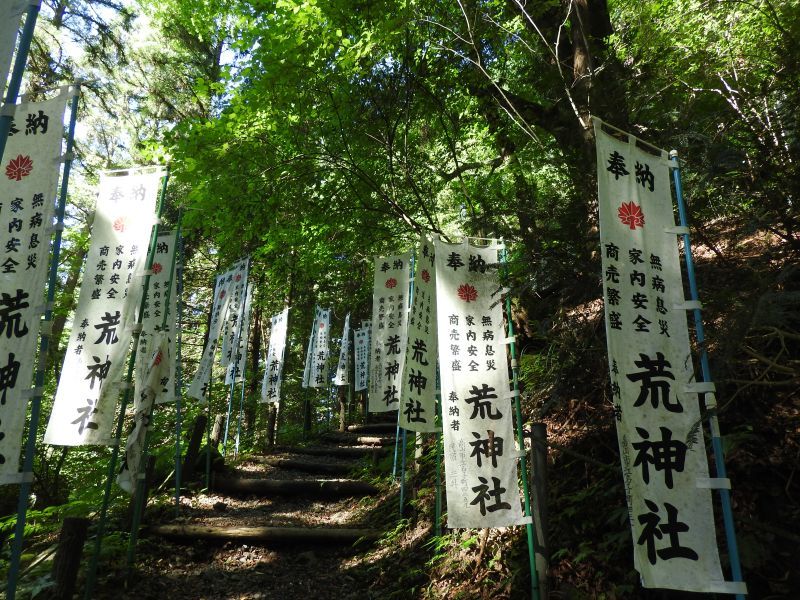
(19, 68)
(44, 344)
(716, 441)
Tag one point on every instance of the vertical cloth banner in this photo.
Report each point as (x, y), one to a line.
(314, 375)
(273, 373)
(10, 15)
(479, 451)
(390, 323)
(659, 425)
(219, 312)
(418, 394)
(234, 318)
(91, 377)
(342, 376)
(156, 368)
(236, 366)
(162, 298)
(27, 188)
(361, 355)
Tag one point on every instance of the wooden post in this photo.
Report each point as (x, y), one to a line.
(68, 556)
(341, 393)
(193, 449)
(539, 491)
(148, 480)
(216, 431)
(272, 421)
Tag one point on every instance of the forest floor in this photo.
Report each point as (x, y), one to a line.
(206, 570)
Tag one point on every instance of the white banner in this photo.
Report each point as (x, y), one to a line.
(361, 354)
(342, 376)
(94, 364)
(162, 299)
(10, 14)
(659, 426)
(219, 312)
(315, 374)
(390, 330)
(418, 395)
(479, 449)
(273, 373)
(27, 191)
(233, 322)
(156, 366)
(237, 365)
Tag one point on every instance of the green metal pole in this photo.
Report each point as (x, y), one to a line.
(44, 342)
(438, 509)
(531, 534)
(178, 371)
(139, 499)
(112, 466)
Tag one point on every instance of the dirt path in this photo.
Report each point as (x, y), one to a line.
(206, 570)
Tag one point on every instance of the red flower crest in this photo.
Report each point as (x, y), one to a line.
(467, 293)
(119, 225)
(157, 268)
(322, 325)
(391, 282)
(426, 277)
(158, 358)
(222, 294)
(19, 167)
(631, 215)
(237, 278)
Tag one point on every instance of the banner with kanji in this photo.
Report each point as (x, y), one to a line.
(10, 13)
(480, 458)
(342, 376)
(659, 425)
(273, 373)
(389, 331)
(361, 355)
(27, 190)
(235, 371)
(315, 373)
(418, 394)
(94, 365)
(219, 311)
(232, 328)
(156, 368)
(159, 316)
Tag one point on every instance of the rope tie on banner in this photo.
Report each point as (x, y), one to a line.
(677, 230)
(66, 156)
(712, 483)
(688, 305)
(31, 392)
(16, 478)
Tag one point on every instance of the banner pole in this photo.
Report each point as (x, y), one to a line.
(716, 441)
(112, 466)
(244, 382)
(531, 535)
(208, 424)
(44, 343)
(438, 505)
(139, 500)
(19, 69)
(178, 370)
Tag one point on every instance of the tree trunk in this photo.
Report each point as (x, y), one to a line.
(68, 556)
(193, 449)
(341, 394)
